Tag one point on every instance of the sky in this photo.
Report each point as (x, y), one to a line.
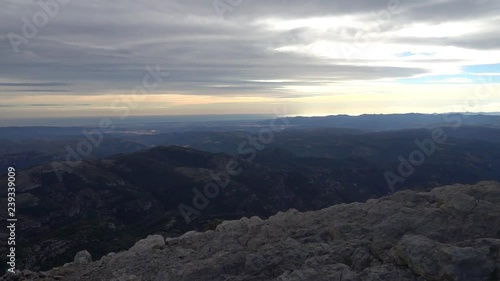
(75, 58)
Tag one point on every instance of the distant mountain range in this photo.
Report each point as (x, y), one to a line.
(104, 205)
(385, 122)
(134, 184)
(28, 146)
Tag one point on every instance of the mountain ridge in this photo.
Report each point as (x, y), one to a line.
(448, 233)
(105, 205)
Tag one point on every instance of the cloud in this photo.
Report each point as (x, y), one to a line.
(36, 91)
(308, 48)
(44, 105)
(49, 84)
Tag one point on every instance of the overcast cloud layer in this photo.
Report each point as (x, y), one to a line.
(241, 56)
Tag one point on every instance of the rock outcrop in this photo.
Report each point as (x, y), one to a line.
(450, 233)
(83, 257)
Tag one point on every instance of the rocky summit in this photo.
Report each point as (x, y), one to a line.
(449, 233)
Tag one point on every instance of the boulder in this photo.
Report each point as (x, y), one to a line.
(83, 257)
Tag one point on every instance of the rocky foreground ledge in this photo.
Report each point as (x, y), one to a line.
(450, 233)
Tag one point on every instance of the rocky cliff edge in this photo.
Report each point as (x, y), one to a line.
(450, 233)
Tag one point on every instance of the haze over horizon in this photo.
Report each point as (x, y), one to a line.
(89, 58)
(189, 119)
